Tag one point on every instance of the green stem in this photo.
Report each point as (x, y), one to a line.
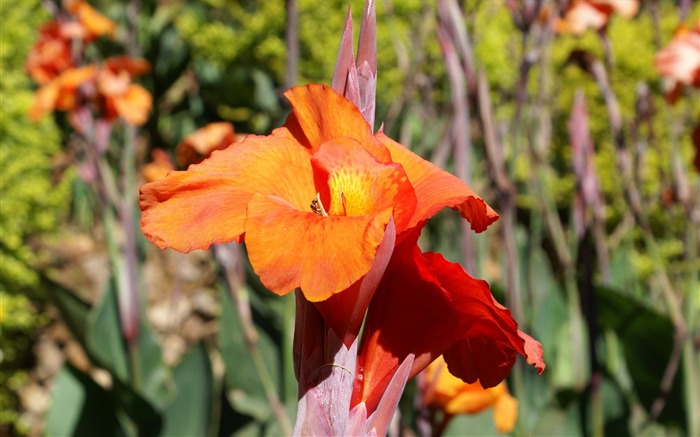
(259, 362)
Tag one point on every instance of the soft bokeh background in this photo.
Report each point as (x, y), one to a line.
(609, 286)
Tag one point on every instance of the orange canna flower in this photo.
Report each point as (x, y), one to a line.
(201, 143)
(446, 392)
(581, 15)
(313, 202)
(679, 61)
(159, 167)
(93, 24)
(326, 207)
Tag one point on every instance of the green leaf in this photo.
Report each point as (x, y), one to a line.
(80, 407)
(74, 310)
(156, 382)
(468, 425)
(243, 382)
(141, 412)
(647, 339)
(190, 412)
(103, 334)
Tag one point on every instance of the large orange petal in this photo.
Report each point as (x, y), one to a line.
(436, 189)
(319, 114)
(207, 204)
(289, 247)
(361, 185)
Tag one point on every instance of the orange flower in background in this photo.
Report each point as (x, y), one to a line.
(121, 97)
(92, 23)
(62, 92)
(50, 55)
(446, 392)
(159, 167)
(581, 15)
(679, 61)
(313, 201)
(201, 143)
(109, 86)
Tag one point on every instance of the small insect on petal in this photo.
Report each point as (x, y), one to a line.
(317, 206)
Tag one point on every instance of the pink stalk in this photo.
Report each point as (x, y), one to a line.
(356, 79)
(325, 362)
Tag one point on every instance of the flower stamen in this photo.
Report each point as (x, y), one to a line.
(342, 202)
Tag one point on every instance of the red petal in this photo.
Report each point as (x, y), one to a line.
(436, 189)
(207, 204)
(428, 306)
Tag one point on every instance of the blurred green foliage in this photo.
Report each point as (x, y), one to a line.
(32, 201)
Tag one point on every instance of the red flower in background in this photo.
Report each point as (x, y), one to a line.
(51, 54)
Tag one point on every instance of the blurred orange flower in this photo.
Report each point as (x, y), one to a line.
(51, 55)
(444, 391)
(62, 92)
(109, 84)
(120, 97)
(201, 143)
(679, 61)
(92, 23)
(159, 167)
(581, 15)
